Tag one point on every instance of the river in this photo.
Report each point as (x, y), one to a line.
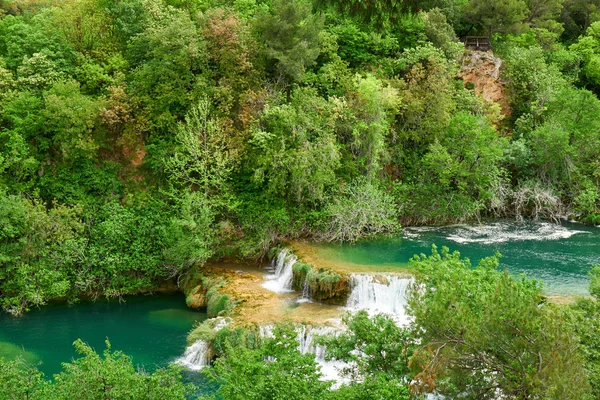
(152, 330)
(559, 254)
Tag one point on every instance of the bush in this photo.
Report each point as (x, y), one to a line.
(361, 209)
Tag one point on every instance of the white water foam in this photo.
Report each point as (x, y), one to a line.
(196, 356)
(281, 279)
(199, 354)
(306, 294)
(500, 232)
(504, 232)
(380, 294)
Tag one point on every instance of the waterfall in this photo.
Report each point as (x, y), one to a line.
(307, 344)
(306, 340)
(196, 356)
(380, 294)
(281, 280)
(306, 293)
(199, 354)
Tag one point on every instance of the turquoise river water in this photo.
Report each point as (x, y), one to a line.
(151, 330)
(559, 254)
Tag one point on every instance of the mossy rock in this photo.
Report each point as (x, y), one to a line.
(326, 285)
(202, 289)
(196, 298)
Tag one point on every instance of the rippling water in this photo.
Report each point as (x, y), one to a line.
(560, 255)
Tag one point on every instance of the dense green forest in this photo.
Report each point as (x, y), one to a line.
(139, 138)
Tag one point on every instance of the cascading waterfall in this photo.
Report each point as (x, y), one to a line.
(196, 356)
(281, 280)
(307, 344)
(380, 294)
(199, 354)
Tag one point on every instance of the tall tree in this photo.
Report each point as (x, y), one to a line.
(290, 33)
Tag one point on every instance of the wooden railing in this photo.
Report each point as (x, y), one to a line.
(481, 43)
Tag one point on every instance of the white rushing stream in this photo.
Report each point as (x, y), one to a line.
(281, 279)
(196, 356)
(199, 354)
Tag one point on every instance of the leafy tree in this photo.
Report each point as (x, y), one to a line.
(544, 13)
(426, 95)
(360, 209)
(377, 353)
(23, 39)
(577, 16)
(19, 380)
(113, 375)
(70, 119)
(364, 128)
(499, 16)
(588, 47)
(168, 59)
(87, 26)
(92, 377)
(204, 158)
(37, 246)
(290, 35)
(441, 34)
(372, 346)
(286, 373)
(295, 150)
(378, 13)
(233, 52)
(499, 336)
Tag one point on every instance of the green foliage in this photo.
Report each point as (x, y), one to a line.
(19, 380)
(244, 374)
(460, 171)
(92, 376)
(498, 327)
(295, 151)
(290, 35)
(360, 209)
(378, 13)
(373, 348)
(227, 338)
(441, 34)
(37, 248)
(499, 16)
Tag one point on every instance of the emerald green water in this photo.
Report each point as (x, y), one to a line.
(151, 330)
(560, 255)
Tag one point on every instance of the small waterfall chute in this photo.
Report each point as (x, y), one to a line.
(199, 354)
(196, 356)
(306, 293)
(283, 273)
(307, 344)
